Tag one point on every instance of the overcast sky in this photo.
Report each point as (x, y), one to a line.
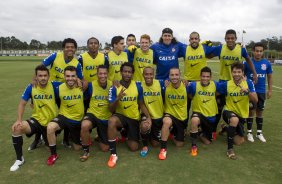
(47, 20)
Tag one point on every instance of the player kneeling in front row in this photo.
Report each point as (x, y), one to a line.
(70, 114)
(204, 108)
(43, 97)
(125, 102)
(98, 112)
(175, 112)
(264, 70)
(238, 93)
(152, 94)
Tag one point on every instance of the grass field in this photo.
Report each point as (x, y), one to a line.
(256, 163)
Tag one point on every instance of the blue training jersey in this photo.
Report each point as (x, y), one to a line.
(262, 67)
(166, 57)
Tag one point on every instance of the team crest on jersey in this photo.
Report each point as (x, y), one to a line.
(173, 49)
(263, 66)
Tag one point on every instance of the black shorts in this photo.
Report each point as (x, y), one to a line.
(206, 125)
(178, 128)
(226, 115)
(102, 127)
(131, 126)
(36, 127)
(261, 101)
(74, 128)
(156, 129)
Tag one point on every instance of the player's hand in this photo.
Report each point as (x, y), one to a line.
(186, 82)
(34, 81)
(84, 84)
(121, 93)
(207, 42)
(255, 79)
(269, 94)
(116, 83)
(166, 83)
(132, 48)
(244, 90)
(18, 124)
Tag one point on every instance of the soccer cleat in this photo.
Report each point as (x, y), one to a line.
(121, 139)
(112, 160)
(231, 154)
(162, 154)
(85, 156)
(144, 152)
(260, 137)
(52, 159)
(194, 151)
(35, 144)
(17, 165)
(214, 136)
(250, 137)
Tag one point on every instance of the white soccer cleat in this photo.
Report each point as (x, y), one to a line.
(17, 165)
(250, 137)
(261, 138)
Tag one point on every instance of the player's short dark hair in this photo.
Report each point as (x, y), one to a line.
(127, 64)
(174, 68)
(258, 44)
(168, 30)
(130, 35)
(231, 31)
(102, 67)
(194, 32)
(70, 68)
(206, 69)
(116, 39)
(237, 65)
(91, 39)
(69, 40)
(41, 68)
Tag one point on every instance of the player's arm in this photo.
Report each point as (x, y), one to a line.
(21, 107)
(221, 88)
(251, 65)
(269, 82)
(191, 90)
(80, 60)
(107, 64)
(84, 83)
(252, 92)
(214, 52)
(49, 60)
(114, 98)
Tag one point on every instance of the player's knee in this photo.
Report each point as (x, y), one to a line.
(234, 121)
(238, 140)
(85, 126)
(51, 128)
(167, 122)
(112, 123)
(133, 146)
(104, 148)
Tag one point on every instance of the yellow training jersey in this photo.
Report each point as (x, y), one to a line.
(45, 108)
(176, 101)
(115, 61)
(153, 100)
(227, 58)
(195, 60)
(58, 67)
(236, 101)
(89, 65)
(71, 102)
(99, 104)
(204, 100)
(128, 104)
(140, 61)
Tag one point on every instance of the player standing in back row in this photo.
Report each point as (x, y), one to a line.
(264, 70)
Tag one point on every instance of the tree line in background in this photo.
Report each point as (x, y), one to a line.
(13, 43)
